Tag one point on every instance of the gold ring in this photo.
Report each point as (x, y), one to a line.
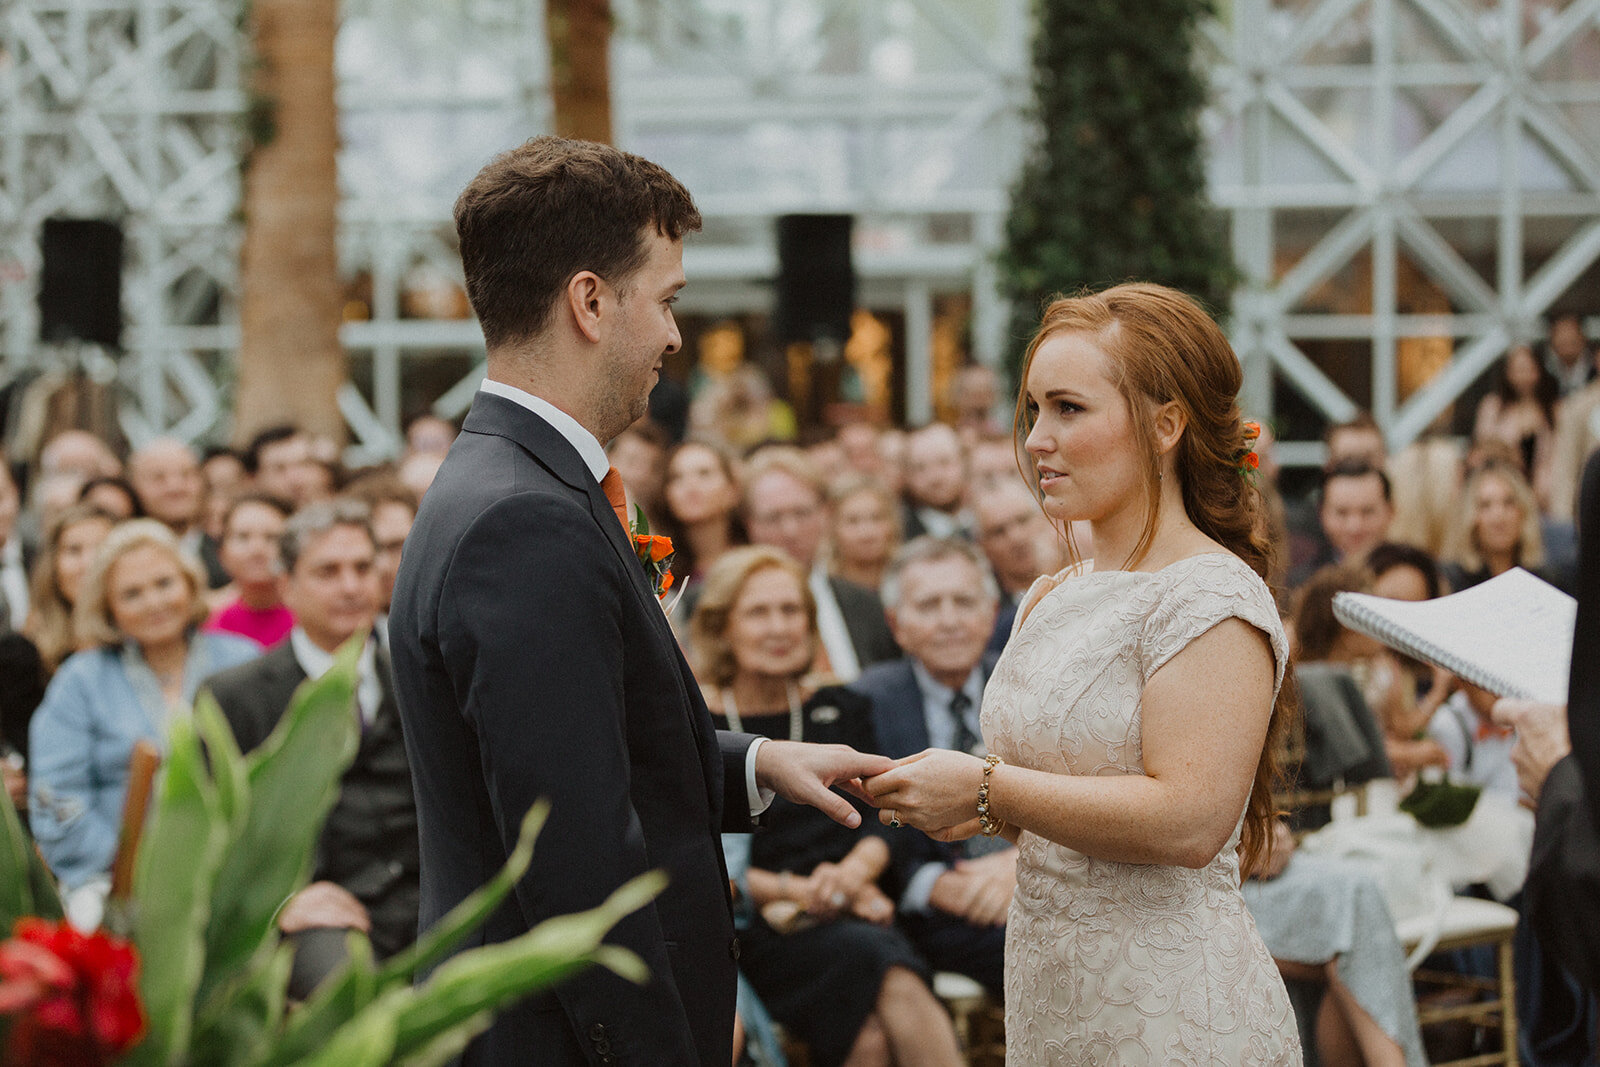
(894, 818)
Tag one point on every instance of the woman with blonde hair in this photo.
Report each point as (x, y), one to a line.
(137, 620)
(1134, 719)
(820, 949)
(863, 530)
(58, 574)
(1496, 527)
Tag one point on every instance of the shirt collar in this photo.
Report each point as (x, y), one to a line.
(589, 449)
(936, 693)
(316, 662)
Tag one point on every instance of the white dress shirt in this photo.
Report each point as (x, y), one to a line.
(14, 581)
(831, 628)
(936, 699)
(594, 457)
(316, 662)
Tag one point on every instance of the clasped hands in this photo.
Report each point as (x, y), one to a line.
(935, 790)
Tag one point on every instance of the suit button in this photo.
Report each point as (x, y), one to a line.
(597, 1032)
(733, 950)
(603, 1049)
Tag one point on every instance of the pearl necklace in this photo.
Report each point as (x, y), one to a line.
(730, 710)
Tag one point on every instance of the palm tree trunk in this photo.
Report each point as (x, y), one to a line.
(290, 362)
(580, 71)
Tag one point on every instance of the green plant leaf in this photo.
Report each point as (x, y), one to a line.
(174, 874)
(641, 522)
(228, 772)
(493, 977)
(365, 1041)
(437, 941)
(449, 1045)
(341, 996)
(26, 887)
(241, 1027)
(293, 780)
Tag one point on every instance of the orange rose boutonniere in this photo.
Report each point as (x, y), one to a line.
(654, 552)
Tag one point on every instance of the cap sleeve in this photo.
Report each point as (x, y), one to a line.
(1202, 594)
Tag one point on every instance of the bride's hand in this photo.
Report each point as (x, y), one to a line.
(936, 791)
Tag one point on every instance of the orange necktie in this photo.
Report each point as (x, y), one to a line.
(611, 486)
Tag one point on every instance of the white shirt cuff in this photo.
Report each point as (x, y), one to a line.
(919, 889)
(760, 799)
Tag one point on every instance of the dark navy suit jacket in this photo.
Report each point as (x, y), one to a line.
(532, 660)
(902, 728)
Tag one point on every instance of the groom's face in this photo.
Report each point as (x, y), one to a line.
(643, 329)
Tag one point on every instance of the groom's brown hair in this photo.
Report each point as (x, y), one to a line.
(548, 209)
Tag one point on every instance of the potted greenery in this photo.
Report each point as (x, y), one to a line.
(190, 969)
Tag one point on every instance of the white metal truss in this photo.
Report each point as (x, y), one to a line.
(1453, 141)
(1371, 146)
(127, 109)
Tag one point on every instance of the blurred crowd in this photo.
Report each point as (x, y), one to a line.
(857, 587)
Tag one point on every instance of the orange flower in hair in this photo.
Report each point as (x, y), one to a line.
(1245, 461)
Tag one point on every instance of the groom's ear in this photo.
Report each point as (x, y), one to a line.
(584, 297)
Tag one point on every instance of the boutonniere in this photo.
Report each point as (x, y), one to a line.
(654, 552)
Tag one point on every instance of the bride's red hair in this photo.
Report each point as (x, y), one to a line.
(1163, 348)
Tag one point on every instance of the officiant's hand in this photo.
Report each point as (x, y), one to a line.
(805, 773)
(1542, 741)
(936, 791)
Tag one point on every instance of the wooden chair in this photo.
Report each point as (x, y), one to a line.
(980, 1023)
(1466, 922)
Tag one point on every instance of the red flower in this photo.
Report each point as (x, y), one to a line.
(666, 583)
(72, 992)
(1252, 460)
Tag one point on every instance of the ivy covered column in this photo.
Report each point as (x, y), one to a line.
(1114, 188)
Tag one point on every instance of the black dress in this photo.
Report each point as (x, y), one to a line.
(820, 983)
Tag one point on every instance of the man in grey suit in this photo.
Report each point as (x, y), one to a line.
(531, 655)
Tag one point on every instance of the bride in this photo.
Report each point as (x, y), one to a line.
(1133, 717)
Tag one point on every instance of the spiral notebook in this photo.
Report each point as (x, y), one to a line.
(1511, 635)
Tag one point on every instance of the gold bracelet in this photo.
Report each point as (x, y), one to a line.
(989, 826)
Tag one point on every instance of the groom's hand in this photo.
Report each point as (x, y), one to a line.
(805, 773)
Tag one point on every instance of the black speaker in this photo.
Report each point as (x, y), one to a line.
(80, 286)
(816, 282)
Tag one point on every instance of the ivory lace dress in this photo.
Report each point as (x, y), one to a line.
(1119, 963)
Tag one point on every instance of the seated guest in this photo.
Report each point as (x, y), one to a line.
(1405, 692)
(785, 506)
(841, 977)
(1020, 544)
(112, 495)
(1354, 509)
(864, 532)
(366, 874)
(1325, 921)
(137, 618)
(64, 559)
(166, 478)
(935, 483)
(1478, 748)
(1344, 744)
(640, 455)
(1496, 528)
(255, 609)
(953, 898)
(394, 510)
(699, 508)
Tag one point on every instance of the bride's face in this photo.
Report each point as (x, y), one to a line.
(1083, 440)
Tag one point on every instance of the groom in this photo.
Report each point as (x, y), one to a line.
(530, 655)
